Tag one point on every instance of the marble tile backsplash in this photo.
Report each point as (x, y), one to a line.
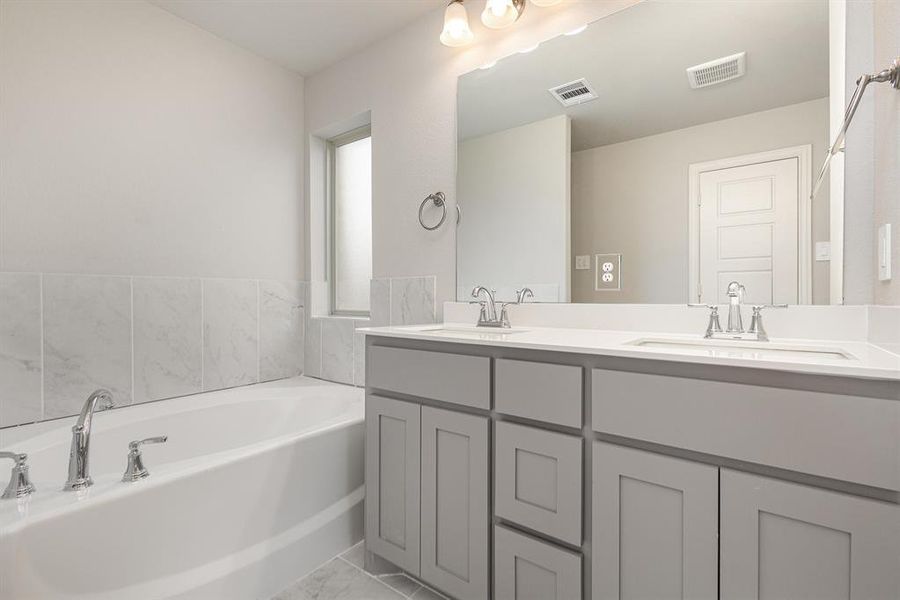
(87, 341)
(20, 348)
(230, 333)
(144, 338)
(168, 329)
(335, 351)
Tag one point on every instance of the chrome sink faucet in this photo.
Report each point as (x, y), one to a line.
(489, 316)
(735, 328)
(735, 300)
(79, 471)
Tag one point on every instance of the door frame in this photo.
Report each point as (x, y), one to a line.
(803, 154)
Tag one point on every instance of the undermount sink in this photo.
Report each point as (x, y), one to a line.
(744, 349)
(473, 332)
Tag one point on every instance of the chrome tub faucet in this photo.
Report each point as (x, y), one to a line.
(79, 471)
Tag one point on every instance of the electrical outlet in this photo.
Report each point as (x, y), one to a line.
(823, 251)
(583, 262)
(608, 272)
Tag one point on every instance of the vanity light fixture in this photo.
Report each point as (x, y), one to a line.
(497, 14)
(456, 26)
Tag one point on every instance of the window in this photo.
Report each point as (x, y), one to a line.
(350, 222)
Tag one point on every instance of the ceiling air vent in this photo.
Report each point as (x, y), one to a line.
(717, 71)
(574, 92)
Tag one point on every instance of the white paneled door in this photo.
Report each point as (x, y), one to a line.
(749, 226)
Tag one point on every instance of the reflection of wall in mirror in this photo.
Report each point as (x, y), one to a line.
(513, 189)
(631, 198)
(887, 144)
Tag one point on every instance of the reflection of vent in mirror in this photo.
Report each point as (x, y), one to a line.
(717, 71)
(574, 92)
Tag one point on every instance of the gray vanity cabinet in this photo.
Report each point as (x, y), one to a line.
(500, 472)
(786, 540)
(655, 525)
(392, 480)
(528, 569)
(454, 524)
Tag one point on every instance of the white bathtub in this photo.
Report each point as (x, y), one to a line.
(255, 487)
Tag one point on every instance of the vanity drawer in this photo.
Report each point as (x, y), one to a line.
(849, 438)
(437, 375)
(537, 480)
(525, 567)
(539, 391)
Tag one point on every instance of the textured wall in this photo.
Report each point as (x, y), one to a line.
(134, 143)
(887, 144)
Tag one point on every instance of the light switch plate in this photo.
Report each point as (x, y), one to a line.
(583, 262)
(607, 272)
(884, 252)
(823, 251)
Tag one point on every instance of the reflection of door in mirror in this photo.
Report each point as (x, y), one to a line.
(748, 226)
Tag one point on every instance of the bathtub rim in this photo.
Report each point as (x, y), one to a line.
(16, 515)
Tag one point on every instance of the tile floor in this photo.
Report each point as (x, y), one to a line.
(343, 578)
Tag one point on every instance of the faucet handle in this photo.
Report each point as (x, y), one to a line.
(19, 485)
(135, 470)
(758, 307)
(756, 322)
(713, 326)
(523, 294)
(136, 444)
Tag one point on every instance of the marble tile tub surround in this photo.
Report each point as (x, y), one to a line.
(861, 323)
(336, 351)
(144, 338)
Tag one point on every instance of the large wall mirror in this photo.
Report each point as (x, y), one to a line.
(652, 157)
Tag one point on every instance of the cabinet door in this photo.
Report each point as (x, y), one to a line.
(526, 568)
(455, 502)
(785, 540)
(655, 525)
(392, 481)
(537, 481)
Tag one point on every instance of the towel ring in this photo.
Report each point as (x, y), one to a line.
(438, 199)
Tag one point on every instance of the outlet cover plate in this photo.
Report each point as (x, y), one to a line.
(607, 272)
(583, 262)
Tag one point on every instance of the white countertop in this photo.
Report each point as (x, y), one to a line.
(868, 361)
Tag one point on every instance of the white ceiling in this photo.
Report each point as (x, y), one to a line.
(303, 35)
(636, 61)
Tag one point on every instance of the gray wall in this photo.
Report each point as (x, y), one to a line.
(151, 209)
(514, 190)
(134, 143)
(859, 161)
(631, 198)
(887, 144)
